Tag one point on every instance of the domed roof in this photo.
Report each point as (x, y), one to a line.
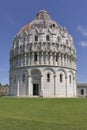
(42, 18)
(42, 26)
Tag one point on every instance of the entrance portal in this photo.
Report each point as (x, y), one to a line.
(35, 89)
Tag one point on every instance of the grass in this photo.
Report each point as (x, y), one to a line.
(43, 114)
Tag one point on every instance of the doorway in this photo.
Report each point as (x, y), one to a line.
(36, 89)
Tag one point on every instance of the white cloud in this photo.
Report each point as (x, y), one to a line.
(83, 43)
(82, 30)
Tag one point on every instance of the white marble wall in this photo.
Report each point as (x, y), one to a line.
(54, 88)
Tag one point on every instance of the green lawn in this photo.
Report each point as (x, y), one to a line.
(43, 114)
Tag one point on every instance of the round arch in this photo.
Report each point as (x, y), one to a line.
(62, 71)
(50, 69)
(36, 81)
(71, 72)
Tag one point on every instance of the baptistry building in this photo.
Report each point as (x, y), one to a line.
(43, 60)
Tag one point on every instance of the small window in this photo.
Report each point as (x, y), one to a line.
(30, 46)
(48, 77)
(53, 25)
(35, 56)
(59, 39)
(23, 77)
(66, 41)
(47, 38)
(36, 38)
(21, 47)
(70, 78)
(61, 78)
(56, 57)
(82, 92)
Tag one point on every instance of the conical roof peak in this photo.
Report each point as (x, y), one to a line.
(43, 14)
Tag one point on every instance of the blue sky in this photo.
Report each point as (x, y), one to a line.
(69, 13)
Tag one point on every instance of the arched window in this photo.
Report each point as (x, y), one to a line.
(56, 57)
(36, 38)
(70, 78)
(48, 77)
(35, 56)
(23, 78)
(61, 78)
(47, 38)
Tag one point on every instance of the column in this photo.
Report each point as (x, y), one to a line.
(18, 88)
(69, 62)
(37, 58)
(29, 86)
(63, 60)
(54, 58)
(66, 60)
(54, 85)
(32, 58)
(59, 59)
(41, 87)
(74, 87)
(28, 58)
(46, 58)
(51, 58)
(41, 58)
(21, 59)
(65, 86)
(25, 58)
